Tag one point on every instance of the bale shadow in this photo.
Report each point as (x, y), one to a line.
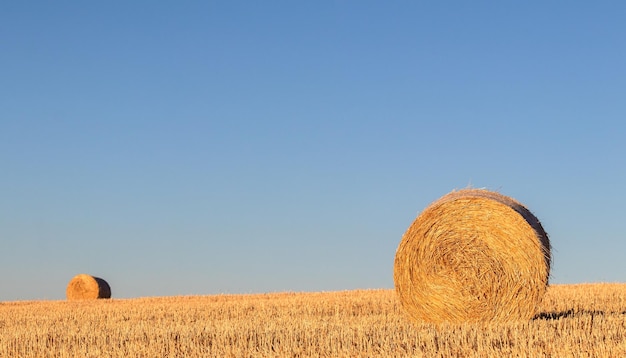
(549, 316)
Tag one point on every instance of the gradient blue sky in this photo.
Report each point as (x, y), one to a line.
(253, 146)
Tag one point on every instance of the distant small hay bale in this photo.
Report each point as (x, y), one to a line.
(86, 287)
(473, 256)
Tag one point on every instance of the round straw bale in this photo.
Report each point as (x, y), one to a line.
(87, 287)
(473, 256)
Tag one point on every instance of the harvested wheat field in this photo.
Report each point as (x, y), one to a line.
(586, 320)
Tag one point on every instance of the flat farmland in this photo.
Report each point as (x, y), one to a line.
(586, 320)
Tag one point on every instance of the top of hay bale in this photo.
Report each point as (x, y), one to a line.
(473, 256)
(87, 287)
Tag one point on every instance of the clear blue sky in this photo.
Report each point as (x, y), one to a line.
(201, 147)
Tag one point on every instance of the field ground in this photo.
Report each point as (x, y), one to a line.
(587, 320)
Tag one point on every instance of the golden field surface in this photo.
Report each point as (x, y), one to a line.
(587, 320)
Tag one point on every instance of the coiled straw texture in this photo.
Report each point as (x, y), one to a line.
(473, 256)
(86, 287)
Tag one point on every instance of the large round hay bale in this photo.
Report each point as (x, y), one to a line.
(87, 287)
(473, 256)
